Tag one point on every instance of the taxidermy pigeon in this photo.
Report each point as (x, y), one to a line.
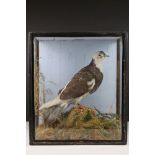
(83, 83)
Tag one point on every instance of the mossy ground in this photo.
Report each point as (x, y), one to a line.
(82, 123)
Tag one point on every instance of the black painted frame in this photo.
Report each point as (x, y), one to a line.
(125, 84)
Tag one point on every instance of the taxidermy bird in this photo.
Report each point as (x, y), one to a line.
(83, 83)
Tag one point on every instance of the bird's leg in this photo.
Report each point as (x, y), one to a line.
(76, 105)
(77, 102)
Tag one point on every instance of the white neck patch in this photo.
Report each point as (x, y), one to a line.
(99, 65)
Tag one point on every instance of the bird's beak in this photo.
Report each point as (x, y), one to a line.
(107, 55)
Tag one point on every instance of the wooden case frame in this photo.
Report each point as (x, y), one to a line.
(125, 83)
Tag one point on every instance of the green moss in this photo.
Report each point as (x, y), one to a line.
(87, 116)
(82, 117)
(82, 122)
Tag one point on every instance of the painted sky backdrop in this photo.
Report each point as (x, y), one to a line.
(61, 58)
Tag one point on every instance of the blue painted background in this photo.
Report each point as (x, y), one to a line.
(61, 58)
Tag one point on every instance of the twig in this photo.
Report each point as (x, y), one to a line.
(103, 115)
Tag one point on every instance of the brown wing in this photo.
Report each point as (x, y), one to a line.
(77, 86)
(98, 81)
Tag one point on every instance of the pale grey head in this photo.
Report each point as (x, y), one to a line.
(99, 56)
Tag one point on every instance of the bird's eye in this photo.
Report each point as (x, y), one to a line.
(100, 55)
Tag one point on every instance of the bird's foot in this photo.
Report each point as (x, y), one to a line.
(78, 105)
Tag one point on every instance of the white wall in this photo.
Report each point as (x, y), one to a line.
(60, 59)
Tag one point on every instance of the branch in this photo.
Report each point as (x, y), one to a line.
(102, 114)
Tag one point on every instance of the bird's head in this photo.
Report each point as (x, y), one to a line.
(99, 56)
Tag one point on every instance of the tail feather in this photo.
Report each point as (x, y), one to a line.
(49, 104)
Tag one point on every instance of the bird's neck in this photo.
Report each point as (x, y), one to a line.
(97, 64)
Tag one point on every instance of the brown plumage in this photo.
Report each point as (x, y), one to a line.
(78, 85)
